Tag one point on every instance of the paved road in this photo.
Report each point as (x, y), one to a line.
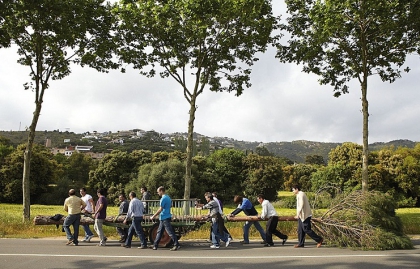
(53, 253)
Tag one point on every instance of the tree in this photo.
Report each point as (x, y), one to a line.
(213, 40)
(314, 159)
(298, 174)
(263, 174)
(341, 40)
(50, 35)
(114, 171)
(224, 172)
(45, 171)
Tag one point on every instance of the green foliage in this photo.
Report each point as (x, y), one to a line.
(263, 174)
(214, 41)
(114, 171)
(298, 174)
(45, 171)
(224, 173)
(169, 173)
(364, 220)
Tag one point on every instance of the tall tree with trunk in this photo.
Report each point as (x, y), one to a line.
(199, 43)
(341, 40)
(50, 35)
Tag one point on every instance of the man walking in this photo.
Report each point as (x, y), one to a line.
(165, 217)
(89, 209)
(123, 209)
(268, 212)
(100, 215)
(135, 212)
(217, 231)
(304, 215)
(74, 206)
(246, 206)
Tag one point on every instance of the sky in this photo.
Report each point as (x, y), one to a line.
(283, 104)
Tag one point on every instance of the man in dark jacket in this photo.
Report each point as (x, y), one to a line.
(246, 206)
(122, 211)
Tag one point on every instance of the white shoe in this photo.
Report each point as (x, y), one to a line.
(88, 238)
(84, 240)
(214, 246)
(228, 241)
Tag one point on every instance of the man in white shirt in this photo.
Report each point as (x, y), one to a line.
(90, 208)
(268, 212)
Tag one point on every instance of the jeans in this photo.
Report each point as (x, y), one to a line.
(99, 230)
(75, 221)
(217, 235)
(136, 227)
(304, 228)
(88, 232)
(257, 225)
(166, 223)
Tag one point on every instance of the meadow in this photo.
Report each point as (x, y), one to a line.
(12, 226)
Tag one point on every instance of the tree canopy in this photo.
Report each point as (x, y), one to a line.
(199, 43)
(342, 40)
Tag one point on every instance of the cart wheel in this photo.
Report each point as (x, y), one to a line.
(165, 240)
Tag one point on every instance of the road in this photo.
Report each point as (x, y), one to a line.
(53, 253)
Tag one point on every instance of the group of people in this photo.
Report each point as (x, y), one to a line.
(135, 210)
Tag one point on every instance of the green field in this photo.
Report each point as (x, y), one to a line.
(11, 225)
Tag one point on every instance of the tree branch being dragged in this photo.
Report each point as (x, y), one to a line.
(365, 220)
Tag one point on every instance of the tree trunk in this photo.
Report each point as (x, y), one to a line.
(365, 154)
(26, 190)
(190, 144)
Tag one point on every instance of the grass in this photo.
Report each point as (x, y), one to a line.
(11, 225)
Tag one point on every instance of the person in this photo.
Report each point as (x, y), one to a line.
(145, 196)
(73, 205)
(123, 209)
(268, 212)
(246, 206)
(89, 209)
(135, 212)
(217, 231)
(165, 217)
(100, 215)
(221, 212)
(304, 215)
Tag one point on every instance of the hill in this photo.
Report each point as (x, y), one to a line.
(296, 151)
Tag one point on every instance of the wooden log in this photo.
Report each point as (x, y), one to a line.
(47, 220)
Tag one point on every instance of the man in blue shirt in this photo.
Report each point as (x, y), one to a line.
(246, 206)
(165, 220)
(135, 212)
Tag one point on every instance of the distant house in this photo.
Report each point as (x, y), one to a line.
(68, 151)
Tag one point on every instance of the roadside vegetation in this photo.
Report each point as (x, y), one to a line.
(11, 225)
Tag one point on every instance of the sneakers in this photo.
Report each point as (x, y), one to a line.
(319, 243)
(298, 246)
(228, 242)
(89, 238)
(84, 239)
(125, 246)
(268, 245)
(175, 248)
(69, 242)
(284, 240)
(244, 242)
(214, 246)
(143, 247)
(100, 245)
